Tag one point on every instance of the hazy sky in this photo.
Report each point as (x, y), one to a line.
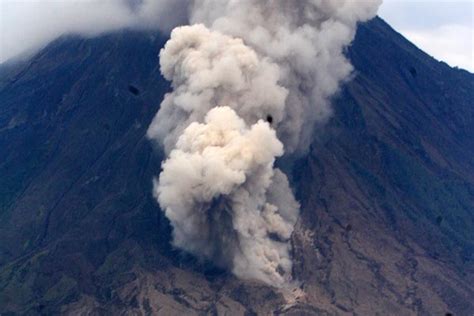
(442, 28)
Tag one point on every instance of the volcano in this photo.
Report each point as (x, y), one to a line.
(386, 190)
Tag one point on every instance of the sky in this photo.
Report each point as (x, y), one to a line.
(442, 28)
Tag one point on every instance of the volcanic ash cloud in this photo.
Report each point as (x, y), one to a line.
(216, 189)
(250, 80)
(209, 69)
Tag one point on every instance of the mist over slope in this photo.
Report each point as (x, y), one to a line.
(386, 190)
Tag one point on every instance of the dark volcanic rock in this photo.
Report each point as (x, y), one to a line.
(387, 190)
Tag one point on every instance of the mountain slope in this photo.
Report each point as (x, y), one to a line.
(387, 189)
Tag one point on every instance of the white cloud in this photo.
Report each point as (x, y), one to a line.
(27, 25)
(30, 25)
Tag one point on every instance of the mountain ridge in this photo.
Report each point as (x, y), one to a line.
(387, 189)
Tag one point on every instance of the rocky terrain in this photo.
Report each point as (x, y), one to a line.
(387, 190)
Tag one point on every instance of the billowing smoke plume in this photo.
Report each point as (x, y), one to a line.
(305, 38)
(216, 189)
(250, 79)
(210, 69)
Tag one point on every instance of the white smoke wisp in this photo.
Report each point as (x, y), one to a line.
(250, 80)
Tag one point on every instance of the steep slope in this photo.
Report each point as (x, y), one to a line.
(387, 190)
(390, 182)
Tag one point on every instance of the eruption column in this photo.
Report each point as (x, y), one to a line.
(250, 80)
